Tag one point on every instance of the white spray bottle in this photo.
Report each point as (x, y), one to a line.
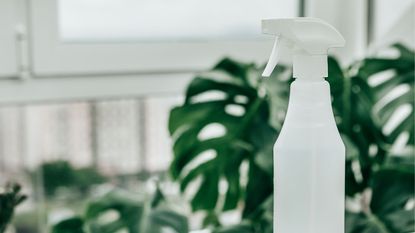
(309, 155)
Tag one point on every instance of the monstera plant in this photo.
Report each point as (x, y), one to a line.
(133, 214)
(225, 129)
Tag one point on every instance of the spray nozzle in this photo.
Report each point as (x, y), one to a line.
(310, 39)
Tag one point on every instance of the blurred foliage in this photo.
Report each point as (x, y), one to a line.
(86, 177)
(10, 197)
(250, 110)
(131, 213)
(61, 174)
(246, 135)
(391, 188)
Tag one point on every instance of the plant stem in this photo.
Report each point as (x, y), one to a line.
(377, 222)
(372, 218)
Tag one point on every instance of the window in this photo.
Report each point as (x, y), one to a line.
(165, 20)
(386, 20)
(100, 96)
(61, 30)
(125, 136)
(125, 140)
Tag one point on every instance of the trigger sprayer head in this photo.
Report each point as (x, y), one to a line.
(310, 38)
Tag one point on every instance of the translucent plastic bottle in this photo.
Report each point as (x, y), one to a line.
(309, 155)
(309, 163)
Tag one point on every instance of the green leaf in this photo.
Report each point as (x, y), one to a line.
(162, 219)
(361, 115)
(158, 197)
(10, 198)
(392, 187)
(79, 179)
(129, 209)
(72, 225)
(403, 70)
(352, 105)
(242, 228)
(258, 189)
(247, 133)
(133, 213)
(360, 223)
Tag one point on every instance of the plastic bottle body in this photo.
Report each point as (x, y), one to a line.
(309, 163)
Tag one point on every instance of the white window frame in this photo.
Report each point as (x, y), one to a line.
(51, 56)
(8, 46)
(66, 71)
(69, 88)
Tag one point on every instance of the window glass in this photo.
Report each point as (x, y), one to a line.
(118, 136)
(96, 143)
(156, 110)
(387, 14)
(143, 20)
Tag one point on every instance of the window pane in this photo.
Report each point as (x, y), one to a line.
(159, 152)
(117, 136)
(122, 141)
(144, 20)
(116, 133)
(388, 13)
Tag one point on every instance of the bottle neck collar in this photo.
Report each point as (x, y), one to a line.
(307, 66)
(310, 103)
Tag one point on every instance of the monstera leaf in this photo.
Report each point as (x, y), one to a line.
(260, 222)
(352, 104)
(72, 225)
(237, 111)
(131, 213)
(398, 73)
(392, 189)
(161, 219)
(363, 107)
(129, 209)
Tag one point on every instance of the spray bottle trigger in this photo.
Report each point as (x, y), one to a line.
(273, 59)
